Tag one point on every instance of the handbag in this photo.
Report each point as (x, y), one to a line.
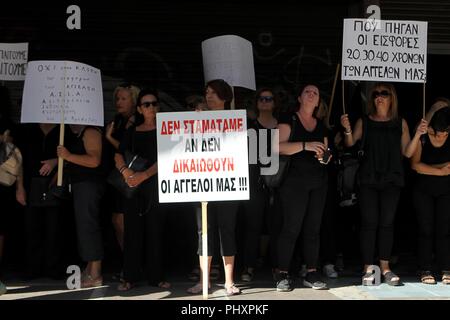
(275, 180)
(10, 162)
(349, 162)
(134, 162)
(41, 192)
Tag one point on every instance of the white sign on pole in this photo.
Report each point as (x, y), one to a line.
(229, 58)
(54, 87)
(13, 61)
(384, 50)
(202, 156)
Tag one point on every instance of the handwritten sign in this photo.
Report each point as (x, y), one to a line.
(13, 61)
(384, 50)
(54, 89)
(202, 156)
(229, 58)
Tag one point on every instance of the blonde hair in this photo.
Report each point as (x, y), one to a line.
(393, 110)
(133, 90)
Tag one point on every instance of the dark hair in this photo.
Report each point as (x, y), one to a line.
(139, 118)
(441, 120)
(276, 100)
(222, 89)
(5, 102)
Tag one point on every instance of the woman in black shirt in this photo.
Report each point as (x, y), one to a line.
(431, 196)
(381, 174)
(302, 136)
(144, 217)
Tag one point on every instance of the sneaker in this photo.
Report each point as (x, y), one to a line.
(247, 275)
(329, 271)
(313, 280)
(2, 288)
(284, 283)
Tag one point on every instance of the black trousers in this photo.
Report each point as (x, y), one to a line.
(86, 202)
(43, 240)
(378, 205)
(302, 213)
(144, 220)
(433, 216)
(222, 220)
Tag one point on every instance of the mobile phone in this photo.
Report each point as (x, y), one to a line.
(326, 156)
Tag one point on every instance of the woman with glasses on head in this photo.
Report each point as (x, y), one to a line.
(256, 209)
(221, 214)
(431, 195)
(125, 98)
(144, 217)
(381, 175)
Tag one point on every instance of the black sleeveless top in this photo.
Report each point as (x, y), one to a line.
(304, 165)
(79, 173)
(432, 155)
(383, 160)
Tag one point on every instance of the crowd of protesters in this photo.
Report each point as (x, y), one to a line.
(300, 216)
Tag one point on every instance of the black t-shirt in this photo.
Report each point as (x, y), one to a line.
(142, 143)
(37, 147)
(432, 155)
(304, 165)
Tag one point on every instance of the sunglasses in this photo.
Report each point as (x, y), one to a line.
(383, 93)
(265, 99)
(149, 103)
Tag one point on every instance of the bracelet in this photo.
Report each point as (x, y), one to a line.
(122, 168)
(347, 133)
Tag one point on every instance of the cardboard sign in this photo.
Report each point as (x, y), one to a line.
(202, 156)
(229, 58)
(384, 50)
(57, 89)
(13, 61)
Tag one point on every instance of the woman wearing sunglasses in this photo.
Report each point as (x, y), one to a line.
(266, 105)
(431, 196)
(381, 175)
(144, 216)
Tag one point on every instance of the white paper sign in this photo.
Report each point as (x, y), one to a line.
(56, 88)
(13, 61)
(384, 50)
(202, 156)
(229, 58)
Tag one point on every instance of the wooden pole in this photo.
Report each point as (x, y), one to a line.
(343, 97)
(205, 268)
(330, 106)
(232, 104)
(423, 107)
(60, 160)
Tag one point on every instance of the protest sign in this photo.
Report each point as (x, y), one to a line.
(229, 58)
(384, 50)
(202, 156)
(13, 61)
(56, 88)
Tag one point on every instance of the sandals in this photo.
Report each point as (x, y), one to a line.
(164, 285)
(446, 277)
(125, 286)
(426, 277)
(391, 279)
(232, 290)
(88, 282)
(368, 279)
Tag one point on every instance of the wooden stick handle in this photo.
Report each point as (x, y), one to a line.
(205, 268)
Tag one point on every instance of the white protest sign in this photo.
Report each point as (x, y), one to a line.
(13, 61)
(229, 58)
(202, 156)
(384, 50)
(54, 86)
